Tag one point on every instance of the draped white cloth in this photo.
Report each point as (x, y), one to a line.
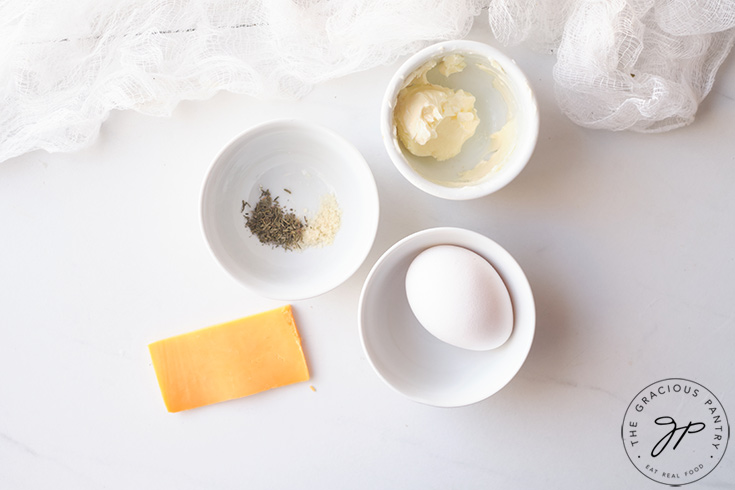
(643, 65)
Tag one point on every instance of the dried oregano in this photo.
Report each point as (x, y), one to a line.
(273, 224)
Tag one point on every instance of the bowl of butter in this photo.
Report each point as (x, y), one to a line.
(459, 120)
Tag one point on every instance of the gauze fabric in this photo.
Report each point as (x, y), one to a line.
(643, 65)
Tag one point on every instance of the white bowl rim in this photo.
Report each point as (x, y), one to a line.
(312, 126)
(386, 119)
(520, 280)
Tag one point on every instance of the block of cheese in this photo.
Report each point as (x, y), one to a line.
(230, 360)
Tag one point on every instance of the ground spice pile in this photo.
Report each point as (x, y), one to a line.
(323, 227)
(272, 223)
(277, 226)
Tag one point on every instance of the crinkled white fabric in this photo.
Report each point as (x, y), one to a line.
(65, 64)
(642, 65)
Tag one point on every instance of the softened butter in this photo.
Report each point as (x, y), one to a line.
(433, 120)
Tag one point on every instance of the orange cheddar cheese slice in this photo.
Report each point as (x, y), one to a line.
(230, 360)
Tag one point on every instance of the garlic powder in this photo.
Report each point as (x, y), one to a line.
(322, 228)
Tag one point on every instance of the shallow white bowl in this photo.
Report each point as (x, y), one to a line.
(415, 363)
(310, 161)
(496, 95)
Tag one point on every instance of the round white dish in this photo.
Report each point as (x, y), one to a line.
(415, 363)
(502, 94)
(298, 162)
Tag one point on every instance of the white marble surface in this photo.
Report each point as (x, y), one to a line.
(627, 240)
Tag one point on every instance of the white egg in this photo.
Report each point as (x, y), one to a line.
(459, 297)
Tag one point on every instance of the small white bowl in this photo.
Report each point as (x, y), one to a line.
(502, 95)
(415, 363)
(310, 162)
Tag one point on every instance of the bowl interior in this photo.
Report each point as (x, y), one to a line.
(417, 364)
(504, 101)
(299, 163)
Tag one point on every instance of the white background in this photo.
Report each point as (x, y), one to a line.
(627, 240)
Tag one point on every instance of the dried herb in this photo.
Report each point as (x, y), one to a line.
(273, 224)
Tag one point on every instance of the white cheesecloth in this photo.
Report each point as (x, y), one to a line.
(643, 65)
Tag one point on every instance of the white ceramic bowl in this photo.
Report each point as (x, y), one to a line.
(503, 95)
(310, 162)
(414, 362)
